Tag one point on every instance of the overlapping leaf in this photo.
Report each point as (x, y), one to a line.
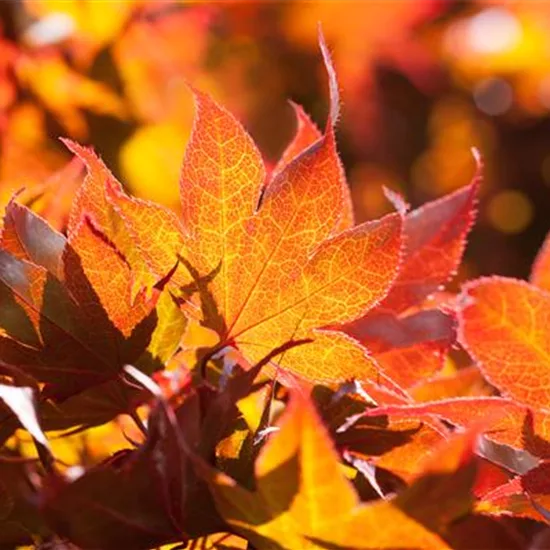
(508, 422)
(400, 446)
(29, 237)
(408, 349)
(131, 224)
(267, 263)
(504, 325)
(68, 315)
(302, 498)
(526, 495)
(409, 344)
(119, 506)
(277, 272)
(150, 495)
(435, 238)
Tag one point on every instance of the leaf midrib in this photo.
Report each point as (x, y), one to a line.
(267, 263)
(298, 302)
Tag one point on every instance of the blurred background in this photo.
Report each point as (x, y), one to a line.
(422, 81)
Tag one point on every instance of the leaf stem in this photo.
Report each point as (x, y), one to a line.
(138, 422)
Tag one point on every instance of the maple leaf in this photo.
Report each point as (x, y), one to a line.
(407, 334)
(100, 403)
(150, 495)
(503, 324)
(399, 447)
(280, 272)
(509, 423)
(395, 444)
(119, 506)
(302, 498)
(268, 263)
(409, 349)
(91, 407)
(525, 495)
(435, 237)
(68, 318)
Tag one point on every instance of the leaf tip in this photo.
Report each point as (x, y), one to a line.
(332, 79)
(478, 158)
(397, 200)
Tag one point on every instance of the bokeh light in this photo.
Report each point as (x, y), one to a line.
(510, 211)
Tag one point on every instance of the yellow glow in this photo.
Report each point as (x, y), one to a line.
(510, 211)
(151, 162)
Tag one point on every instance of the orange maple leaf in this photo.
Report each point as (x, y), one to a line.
(268, 261)
(503, 323)
(509, 423)
(303, 499)
(525, 496)
(280, 270)
(407, 333)
(68, 317)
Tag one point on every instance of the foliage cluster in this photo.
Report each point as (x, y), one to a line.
(277, 375)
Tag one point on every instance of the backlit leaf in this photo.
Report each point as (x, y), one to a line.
(504, 326)
(408, 349)
(272, 271)
(399, 447)
(221, 181)
(29, 237)
(508, 423)
(524, 496)
(302, 499)
(117, 497)
(129, 223)
(78, 330)
(435, 238)
(108, 273)
(306, 135)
